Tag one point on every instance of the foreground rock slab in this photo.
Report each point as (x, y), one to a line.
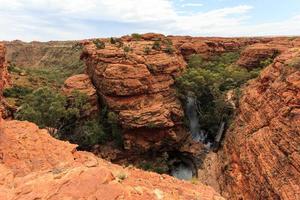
(33, 165)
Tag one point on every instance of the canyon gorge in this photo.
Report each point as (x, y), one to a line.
(142, 90)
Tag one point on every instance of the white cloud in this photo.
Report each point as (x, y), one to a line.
(192, 5)
(77, 19)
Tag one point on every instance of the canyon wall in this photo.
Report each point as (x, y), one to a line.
(261, 156)
(135, 79)
(33, 165)
(4, 77)
(44, 54)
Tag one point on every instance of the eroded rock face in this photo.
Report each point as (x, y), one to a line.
(136, 83)
(83, 84)
(255, 55)
(209, 47)
(33, 165)
(4, 77)
(261, 154)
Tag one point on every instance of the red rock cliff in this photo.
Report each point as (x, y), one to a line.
(4, 77)
(261, 155)
(136, 82)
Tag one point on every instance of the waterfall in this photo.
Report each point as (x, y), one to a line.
(192, 114)
(182, 172)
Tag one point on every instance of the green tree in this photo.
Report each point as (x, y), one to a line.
(46, 108)
(208, 81)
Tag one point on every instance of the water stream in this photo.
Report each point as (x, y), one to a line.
(182, 171)
(191, 111)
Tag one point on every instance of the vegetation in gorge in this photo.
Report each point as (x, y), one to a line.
(65, 117)
(209, 81)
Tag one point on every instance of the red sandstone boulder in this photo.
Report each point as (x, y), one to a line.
(83, 84)
(33, 165)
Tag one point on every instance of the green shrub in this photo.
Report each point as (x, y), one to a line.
(195, 60)
(136, 36)
(44, 107)
(16, 92)
(156, 45)
(169, 49)
(13, 69)
(99, 44)
(295, 62)
(147, 50)
(266, 62)
(122, 176)
(127, 49)
(116, 134)
(90, 133)
(113, 40)
(167, 41)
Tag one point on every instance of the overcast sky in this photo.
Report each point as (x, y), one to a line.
(78, 19)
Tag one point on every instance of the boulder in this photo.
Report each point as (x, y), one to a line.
(83, 84)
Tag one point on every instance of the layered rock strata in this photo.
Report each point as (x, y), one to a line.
(261, 154)
(4, 78)
(135, 80)
(82, 83)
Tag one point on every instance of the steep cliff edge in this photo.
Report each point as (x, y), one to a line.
(261, 152)
(33, 165)
(4, 77)
(135, 81)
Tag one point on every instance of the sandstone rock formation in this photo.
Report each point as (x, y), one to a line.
(82, 84)
(135, 81)
(33, 165)
(4, 76)
(209, 47)
(261, 154)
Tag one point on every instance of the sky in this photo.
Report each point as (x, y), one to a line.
(45, 20)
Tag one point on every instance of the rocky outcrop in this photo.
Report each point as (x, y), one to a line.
(254, 55)
(82, 83)
(262, 54)
(4, 77)
(209, 47)
(261, 152)
(135, 80)
(33, 165)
